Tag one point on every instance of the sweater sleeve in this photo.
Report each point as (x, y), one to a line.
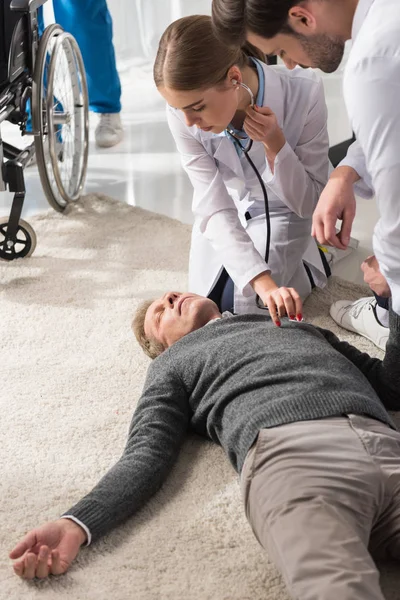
(383, 375)
(156, 433)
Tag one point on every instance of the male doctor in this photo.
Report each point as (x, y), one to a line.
(312, 33)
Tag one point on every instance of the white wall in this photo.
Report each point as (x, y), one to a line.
(138, 24)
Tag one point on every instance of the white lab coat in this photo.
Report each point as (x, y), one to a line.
(371, 87)
(225, 187)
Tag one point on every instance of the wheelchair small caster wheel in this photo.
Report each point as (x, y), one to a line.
(21, 246)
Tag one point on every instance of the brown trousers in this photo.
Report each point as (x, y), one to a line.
(323, 498)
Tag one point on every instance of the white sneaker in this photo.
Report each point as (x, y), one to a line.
(109, 130)
(360, 317)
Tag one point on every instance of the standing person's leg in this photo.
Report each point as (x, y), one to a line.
(89, 21)
(312, 494)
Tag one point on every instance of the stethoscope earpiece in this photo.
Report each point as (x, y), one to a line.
(235, 82)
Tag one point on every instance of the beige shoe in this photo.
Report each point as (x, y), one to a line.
(109, 130)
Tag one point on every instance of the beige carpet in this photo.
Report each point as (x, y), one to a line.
(71, 375)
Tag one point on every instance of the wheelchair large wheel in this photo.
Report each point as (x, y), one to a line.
(60, 117)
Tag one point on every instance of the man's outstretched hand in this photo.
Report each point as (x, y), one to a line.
(337, 202)
(49, 549)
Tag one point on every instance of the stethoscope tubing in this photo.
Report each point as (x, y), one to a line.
(261, 182)
(265, 194)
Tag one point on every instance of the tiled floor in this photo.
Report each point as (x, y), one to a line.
(144, 170)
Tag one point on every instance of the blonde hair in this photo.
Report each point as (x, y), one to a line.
(150, 346)
(190, 56)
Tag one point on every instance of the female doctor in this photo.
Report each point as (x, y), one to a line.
(210, 89)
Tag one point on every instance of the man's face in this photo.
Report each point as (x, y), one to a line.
(176, 314)
(319, 50)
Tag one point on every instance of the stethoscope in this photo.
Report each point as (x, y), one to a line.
(246, 149)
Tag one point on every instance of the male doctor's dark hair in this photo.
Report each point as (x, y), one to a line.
(234, 19)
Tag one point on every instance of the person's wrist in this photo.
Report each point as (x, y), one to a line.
(70, 525)
(344, 176)
(274, 144)
(263, 283)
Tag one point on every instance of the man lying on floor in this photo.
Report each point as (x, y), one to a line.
(303, 419)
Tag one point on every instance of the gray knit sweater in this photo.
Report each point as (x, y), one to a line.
(227, 381)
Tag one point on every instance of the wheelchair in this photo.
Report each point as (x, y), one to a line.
(42, 90)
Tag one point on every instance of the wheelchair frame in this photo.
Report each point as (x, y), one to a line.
(25, 82)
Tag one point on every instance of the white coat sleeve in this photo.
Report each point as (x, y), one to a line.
(301, 174)
(372, 94)
(356, 160)
(213, 205)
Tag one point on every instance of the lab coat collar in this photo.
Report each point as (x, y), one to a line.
(259, 101)
(362, 10)
(261, 81)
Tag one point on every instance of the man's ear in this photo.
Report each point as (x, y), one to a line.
(302, 20)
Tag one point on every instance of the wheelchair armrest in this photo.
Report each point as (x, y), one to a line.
(26, 5)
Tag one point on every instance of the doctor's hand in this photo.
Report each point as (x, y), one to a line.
(337, 201)
(261, 125)
(49, 549)
(280, 301)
